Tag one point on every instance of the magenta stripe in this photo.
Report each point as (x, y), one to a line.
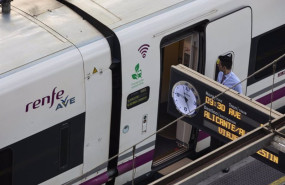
(140, 160)
(276, 95)
(100, 179)
(202, 135)
(123, 168)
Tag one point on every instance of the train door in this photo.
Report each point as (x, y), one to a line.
(229, 34)
(222, 36)
(176, 140)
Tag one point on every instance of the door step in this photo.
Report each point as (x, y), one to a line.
(175, 166)
(169, 156)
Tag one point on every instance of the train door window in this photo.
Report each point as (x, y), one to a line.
(6, 166)
(182, 49)
(190, 51)
(265, 49)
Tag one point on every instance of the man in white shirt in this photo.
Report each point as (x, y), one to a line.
(226, 76)
(229, 79)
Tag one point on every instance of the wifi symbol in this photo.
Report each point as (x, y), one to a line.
(143, 50)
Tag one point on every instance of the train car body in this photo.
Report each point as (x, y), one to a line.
(81, 81)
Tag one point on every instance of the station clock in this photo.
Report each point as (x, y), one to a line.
(185, 98)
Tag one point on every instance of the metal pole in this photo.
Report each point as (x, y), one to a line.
(6, 6)
(133, 176)
(272, 87)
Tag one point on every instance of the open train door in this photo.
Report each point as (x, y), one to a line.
(229, 34)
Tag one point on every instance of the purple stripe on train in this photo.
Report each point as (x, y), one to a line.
(280, 93)
(202, 135)
(123, 168)
(147, 157)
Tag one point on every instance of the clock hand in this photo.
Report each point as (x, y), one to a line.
(186, 100)
(180, 95)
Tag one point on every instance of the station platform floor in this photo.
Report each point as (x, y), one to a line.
(247, 172)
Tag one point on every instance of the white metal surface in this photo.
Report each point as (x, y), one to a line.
(23, 41)
(36, 8)
(98, 89)
(203, 144)
(115, 13)
(58, 18)
(183, 132)
(264, 86)
(36, 30)
(112, 13)
(229, 33)
(20, 117)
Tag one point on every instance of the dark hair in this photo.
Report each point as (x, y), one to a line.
(226, 61)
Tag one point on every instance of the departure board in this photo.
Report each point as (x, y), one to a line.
(226, 117)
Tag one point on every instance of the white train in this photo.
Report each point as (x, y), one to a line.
(81, 81)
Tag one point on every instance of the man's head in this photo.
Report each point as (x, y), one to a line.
(225, 63)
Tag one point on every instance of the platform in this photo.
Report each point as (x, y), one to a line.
(247, 172)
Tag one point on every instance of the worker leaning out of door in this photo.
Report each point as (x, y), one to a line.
(226, 76)
(229, 79)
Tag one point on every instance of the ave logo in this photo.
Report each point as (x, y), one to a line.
(50, 100)
(65, 102)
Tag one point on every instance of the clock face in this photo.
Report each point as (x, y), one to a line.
(186, 98)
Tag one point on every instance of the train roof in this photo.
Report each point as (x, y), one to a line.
(36, 29)
(115, 13)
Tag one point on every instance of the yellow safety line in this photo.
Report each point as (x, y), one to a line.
(279, 181)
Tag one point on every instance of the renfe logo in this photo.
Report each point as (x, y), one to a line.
(50, 100)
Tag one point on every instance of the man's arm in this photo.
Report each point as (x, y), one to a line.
(220, 75)
(238, 88)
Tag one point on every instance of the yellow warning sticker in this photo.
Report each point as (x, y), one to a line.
(95, 70)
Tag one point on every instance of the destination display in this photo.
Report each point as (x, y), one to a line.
(138, 97)
(226, 117)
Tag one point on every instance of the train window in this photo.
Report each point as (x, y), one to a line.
(267, 48)
(64, 146)
(190, 51)
(6, 166)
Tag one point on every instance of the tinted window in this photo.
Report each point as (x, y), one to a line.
(267, 48)
(6, 166)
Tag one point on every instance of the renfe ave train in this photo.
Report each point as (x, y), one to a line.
(81, 81)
